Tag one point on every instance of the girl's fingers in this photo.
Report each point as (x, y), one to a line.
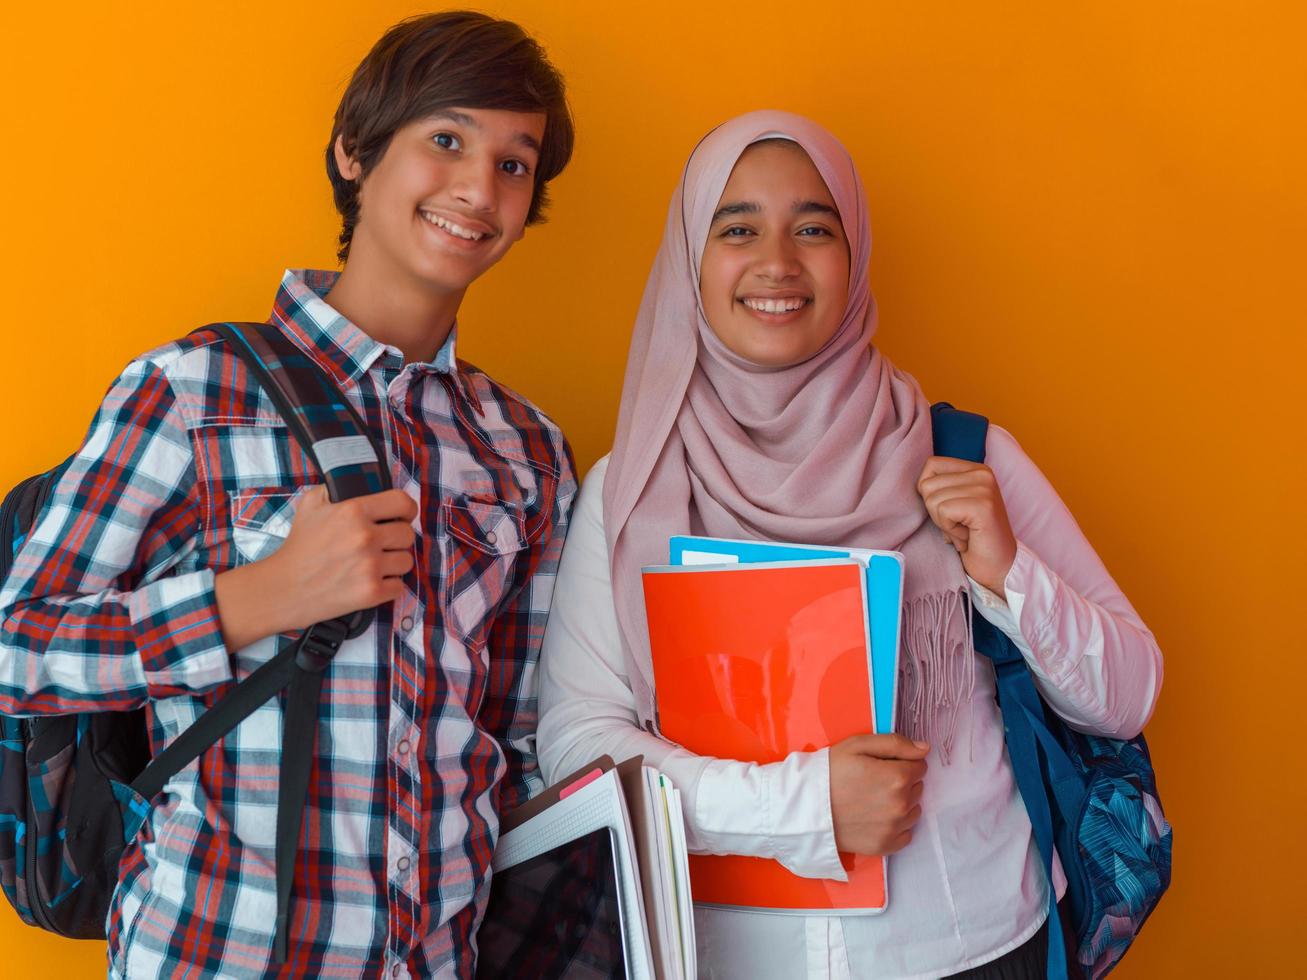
(952, 494)
(933, 484)
(958, 515)
(947, 464)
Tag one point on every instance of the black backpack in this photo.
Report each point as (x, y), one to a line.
(62, 825)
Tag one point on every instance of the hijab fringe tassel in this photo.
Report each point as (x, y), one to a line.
(938, 674)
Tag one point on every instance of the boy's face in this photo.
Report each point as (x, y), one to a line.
(450, 195)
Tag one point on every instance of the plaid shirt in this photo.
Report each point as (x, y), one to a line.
(427, 721)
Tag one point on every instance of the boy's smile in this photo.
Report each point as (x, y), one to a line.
(462, 229)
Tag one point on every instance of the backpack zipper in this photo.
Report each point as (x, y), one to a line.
(37, 902)
(47, 489)
(8, 510)
(8, 515)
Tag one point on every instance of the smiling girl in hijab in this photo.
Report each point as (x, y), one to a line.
(756, 406)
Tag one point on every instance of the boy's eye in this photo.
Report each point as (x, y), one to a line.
(446, 141)
(515, 168)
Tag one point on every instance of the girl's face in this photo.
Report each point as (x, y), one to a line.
(774, 277)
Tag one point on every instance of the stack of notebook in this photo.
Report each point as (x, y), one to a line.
(591, 880)
(763, 649)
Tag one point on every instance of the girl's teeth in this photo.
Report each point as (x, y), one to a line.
(775, 305)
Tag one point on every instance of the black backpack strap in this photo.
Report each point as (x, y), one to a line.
(337, 440)
(299, 727)
(221, 718)
(319, 416)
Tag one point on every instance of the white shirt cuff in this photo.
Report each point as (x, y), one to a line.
(780, 810)
(1007, 615)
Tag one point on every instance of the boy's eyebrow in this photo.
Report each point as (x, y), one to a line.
(529, 141)
(463, 119)
(453, 115)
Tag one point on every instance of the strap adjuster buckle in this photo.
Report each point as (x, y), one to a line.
(319, 644)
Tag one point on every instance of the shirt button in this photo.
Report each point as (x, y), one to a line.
(406, 623)
(403, 747)
(394, 970)
(402, 864)
(490, 537)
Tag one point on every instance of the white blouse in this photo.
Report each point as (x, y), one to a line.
(970, 885)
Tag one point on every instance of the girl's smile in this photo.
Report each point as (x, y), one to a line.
(776, 309)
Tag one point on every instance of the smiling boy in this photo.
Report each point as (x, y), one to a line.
(213, 542)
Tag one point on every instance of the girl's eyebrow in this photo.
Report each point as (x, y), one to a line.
(814, 207)
(753, 207)
(736, 207)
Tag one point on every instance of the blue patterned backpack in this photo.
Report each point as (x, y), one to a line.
(1094, 799)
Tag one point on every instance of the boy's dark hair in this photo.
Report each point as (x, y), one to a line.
(437, 61)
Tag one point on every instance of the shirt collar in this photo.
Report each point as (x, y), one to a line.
(340, 347)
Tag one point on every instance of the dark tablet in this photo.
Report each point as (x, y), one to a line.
(556, 916)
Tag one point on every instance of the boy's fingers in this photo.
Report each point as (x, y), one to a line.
(388, 505)
(395, 536)
(396, 563)
(313, 498)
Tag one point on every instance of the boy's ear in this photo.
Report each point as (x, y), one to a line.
(349, 167)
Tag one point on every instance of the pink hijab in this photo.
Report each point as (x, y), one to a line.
(824, 452)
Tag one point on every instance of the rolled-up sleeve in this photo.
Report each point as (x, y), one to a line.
(90, 618)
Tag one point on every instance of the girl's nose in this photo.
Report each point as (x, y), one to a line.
(779, 260)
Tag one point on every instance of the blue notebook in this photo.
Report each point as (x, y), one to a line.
(884, 597)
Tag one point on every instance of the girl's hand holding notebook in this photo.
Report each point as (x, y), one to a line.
(875, 789)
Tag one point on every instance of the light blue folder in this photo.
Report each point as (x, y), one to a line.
(884, 598)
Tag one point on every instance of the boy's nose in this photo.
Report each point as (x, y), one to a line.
(475, 187)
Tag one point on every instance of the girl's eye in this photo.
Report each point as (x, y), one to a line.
(815, 231)
(515, 168)
(446, 141)
(737, 231)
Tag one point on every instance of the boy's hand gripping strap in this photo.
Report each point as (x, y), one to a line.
(961, 435)
(337, 440)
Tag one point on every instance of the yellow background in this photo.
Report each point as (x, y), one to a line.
(1089, 221)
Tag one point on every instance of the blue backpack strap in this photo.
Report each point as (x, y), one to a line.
(957, 433)
(961, 435)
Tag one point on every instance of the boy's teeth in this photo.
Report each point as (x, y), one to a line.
(453, 229)
(776, 305)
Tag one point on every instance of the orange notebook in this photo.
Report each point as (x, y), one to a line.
(753, 662)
